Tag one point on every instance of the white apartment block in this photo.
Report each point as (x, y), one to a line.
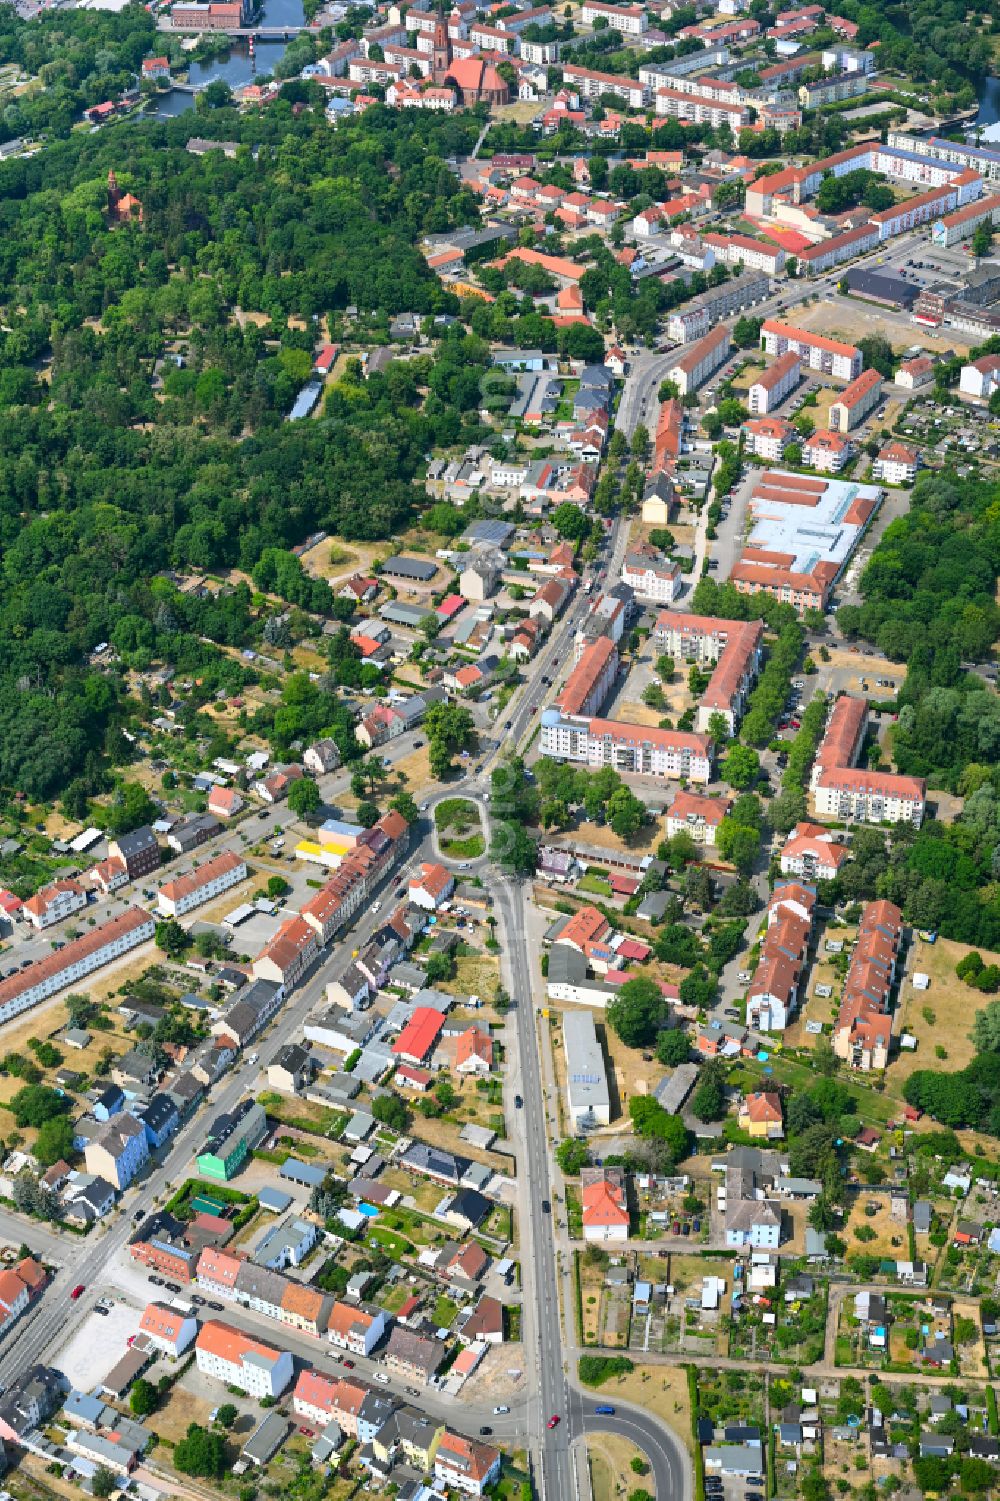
(897, 464)
(236, 1359)
(54, 903)
(658, 582)
(696, 364)
(767, 438)
(630, 749)
(630, 20)
(675, 105)
(772, 385)
(591, 85)
(201, 885)
(981, 378)
(741, 250)
(843, 361)
(80, 957)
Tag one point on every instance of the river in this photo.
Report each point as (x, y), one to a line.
(236, 66)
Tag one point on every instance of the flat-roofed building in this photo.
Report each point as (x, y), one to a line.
(587, 1096)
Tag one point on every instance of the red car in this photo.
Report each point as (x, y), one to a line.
(78, 1289)
(554, 1420)
(349, 1364)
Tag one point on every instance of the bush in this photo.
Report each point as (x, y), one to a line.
(595, 1370)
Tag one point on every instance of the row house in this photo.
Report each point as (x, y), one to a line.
(774, 992)
(743, 250)
(856, 401)
(591, 85)
(696, 364)
(813, 853)
(863, 1029)
(691, 813)
(655, 578)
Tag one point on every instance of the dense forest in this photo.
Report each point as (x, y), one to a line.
(929, 600)
(108, 482)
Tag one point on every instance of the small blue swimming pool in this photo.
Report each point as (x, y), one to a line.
(368, 1210)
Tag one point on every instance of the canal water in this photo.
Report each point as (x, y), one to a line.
(236, 67)
(989, 102)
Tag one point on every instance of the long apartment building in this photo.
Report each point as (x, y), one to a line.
(772, 385)
(845, 791)
(693, 368)
(820, 258)
(630, 20)
(856, 401)
(926, 207)
(675, 104)
(917, 168)
(777, 983)
(816, 351)
(743, 250)
(591, 85)
(955, 228)
(630, 749)
(590, 682)
(209, 880)
(953, 153)
(80, 957)
(862, 1033)
(696, 317)
(734, 646)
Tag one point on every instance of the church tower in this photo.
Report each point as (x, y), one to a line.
(442, 46)
(114, 196)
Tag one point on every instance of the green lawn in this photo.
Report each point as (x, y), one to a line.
(444, 1312)
(595, 884)
(396, 1245)
(459, 829)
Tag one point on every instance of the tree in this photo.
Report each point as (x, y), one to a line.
(277, 887)
(652, 1123)
(405, 805)
(513, 848)
(303, 797)
(985, 1032)
(746, 332)
(172, 938)
(227, 1414)
(446, 1094)
(571, 1156)
(54, 1142)
(626, 813)
(570, 521)
(636, 1011)
(741, 766)
(36, 1103)
(738, 844)
(105, 1482)
(877, 352)
(201, 1453)
(390, 1111)
(982, 239)
(143, 1398)
(709, 1100)
(673, 1047)
(367, 814)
